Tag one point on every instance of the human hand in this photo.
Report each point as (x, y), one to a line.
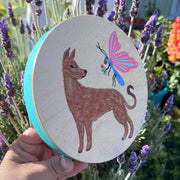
(29, 158)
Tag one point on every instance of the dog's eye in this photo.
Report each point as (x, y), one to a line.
(71, 66)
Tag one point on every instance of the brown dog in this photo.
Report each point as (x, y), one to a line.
(88, 104)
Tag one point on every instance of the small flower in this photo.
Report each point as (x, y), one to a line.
(149, 28)
(110, 17)
(157, 38)
(121, 158)
(102, 8)
(89, 6)
(67, 12)
(134, 11)
(22, 83)
(174, 42)
(5, 110)
(169, 103)
(5, 38)
(10, 90)
(38, 2)
(147, 115)
(11, 14)
(167, 126)
(38, 12)
(21, 25)
(132, 164)
(144, 153)
(28, 30)
(120, 13)
(33, 28)
(28, 1)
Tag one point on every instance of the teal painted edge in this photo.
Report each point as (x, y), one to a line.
(29, 98)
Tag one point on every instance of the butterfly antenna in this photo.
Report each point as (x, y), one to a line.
(102, 50)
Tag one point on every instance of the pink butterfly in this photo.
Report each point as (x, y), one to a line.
(122, 61)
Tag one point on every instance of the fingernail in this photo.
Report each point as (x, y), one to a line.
(66, 163)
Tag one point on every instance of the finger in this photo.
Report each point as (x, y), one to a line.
(30, 136)
(56, 167)
(78, 167)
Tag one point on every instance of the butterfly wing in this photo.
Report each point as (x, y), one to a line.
(114, 45)
(122, 61)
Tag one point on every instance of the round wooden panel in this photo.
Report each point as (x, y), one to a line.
(85, 89)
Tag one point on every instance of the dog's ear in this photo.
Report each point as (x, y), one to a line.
(72, 54)
(66, 55)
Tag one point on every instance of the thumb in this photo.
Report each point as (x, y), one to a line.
(56, 167)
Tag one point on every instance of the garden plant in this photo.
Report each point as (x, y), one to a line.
(154, 153)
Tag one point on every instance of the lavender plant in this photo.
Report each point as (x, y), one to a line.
(154, 128)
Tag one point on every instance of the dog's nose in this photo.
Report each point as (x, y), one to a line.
(85, 71)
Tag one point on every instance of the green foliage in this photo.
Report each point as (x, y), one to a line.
(163, 161)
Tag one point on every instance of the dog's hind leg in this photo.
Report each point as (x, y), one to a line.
(88, 127)
(80, 128)
(121, 118)
(131, 127)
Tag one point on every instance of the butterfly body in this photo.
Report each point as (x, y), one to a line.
(120, 61)
(116, 74)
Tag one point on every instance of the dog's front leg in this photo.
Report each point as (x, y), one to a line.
(80, 128)
(88, 127)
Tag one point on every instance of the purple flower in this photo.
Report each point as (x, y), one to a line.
(10, 90)
(33, 28)
(147, 115)
(5, 38)
(22, 83)
(132, 164)
(169, 103)
(144, 153)
(5, 110)
(11, 14)
(21, 25)
(28, 30)
(120, 11)
(134, 11)
(167, 126)
(149, 28)
(157, 38)
(89, 6)
(28, 1)
(110, 17)
(102, 8)
(121, 158)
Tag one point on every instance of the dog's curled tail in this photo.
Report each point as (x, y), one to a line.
(134, 97)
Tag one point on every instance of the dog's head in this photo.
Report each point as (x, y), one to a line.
(70, 67)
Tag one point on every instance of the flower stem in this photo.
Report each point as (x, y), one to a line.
(38, 24)
(14, 70)
(54, 9)
(140, 50)
(152, 57)
(127, 176)
(17, 39)
(46, 13)
(24, 46)
(147, 50)
(138, 166)
(158, 122)
(34, 19)
(4, 139)
(130, 27)
(2, 63)
(14, 124)
(20, 115)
